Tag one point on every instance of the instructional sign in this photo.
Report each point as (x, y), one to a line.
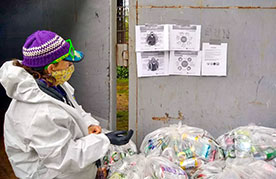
(152, 63)
(185, 37)
(185, 63)
(214, 61)
(152, 37)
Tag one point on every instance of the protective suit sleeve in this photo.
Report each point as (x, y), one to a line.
(87, 118)
(53, 137)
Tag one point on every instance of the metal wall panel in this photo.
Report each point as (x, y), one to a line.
(91, 31)
(206, 3)
(90, 25)
(217, 104)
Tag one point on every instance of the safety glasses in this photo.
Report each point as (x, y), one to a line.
(70, 53)
(71, 49)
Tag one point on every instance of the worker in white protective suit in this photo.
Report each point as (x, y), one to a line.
(47, 134)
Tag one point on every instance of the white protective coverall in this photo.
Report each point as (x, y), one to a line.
(46, 138)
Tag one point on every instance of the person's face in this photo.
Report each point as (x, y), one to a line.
(62, 65)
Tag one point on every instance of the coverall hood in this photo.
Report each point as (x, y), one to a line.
(19, 84)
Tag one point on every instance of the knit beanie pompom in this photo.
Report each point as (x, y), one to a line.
(43, 47)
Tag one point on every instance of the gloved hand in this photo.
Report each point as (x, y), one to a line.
(118, 137)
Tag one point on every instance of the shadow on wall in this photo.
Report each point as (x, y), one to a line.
(4, 104)
(19, 19)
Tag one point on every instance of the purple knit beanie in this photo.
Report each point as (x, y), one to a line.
(43, 47)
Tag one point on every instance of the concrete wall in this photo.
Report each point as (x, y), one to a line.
(217, 104)
(90, 25)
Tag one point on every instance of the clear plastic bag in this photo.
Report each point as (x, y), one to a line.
(249, 141)
(238, 168)
(263, 169)
(188, 147)
(130, 168)
(155, 142)
(210, 170)
(115, 155)
(160, 167)
(151, 167)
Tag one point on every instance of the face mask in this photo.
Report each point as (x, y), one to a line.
(62, 76)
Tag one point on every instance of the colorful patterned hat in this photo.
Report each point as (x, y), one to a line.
(43, 47)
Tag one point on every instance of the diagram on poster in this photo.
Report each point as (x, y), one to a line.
(214, 60)
(152, 63)
(185, 37)
(152, 38)
(185, 63)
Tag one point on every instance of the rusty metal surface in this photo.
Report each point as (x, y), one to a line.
(217, 104)
(248, 3)
(167, 117)
(209, 7)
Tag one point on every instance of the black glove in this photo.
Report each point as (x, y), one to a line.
(118, 137)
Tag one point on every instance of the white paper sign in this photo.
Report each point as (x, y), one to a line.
(185, 37)
(214, 61)
(152, 63)
(185, 63)
(152, 38)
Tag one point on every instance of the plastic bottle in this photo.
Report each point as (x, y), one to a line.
(260, 156)
(190, 163)
(243, 146)
(220, 153)
(201, 149)
(199, 146)
(230, 151)
(213, 156)
(268, 154)
(117, 175)
(185, 154)
(153, 144)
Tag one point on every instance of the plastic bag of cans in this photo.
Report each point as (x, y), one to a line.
(250, 142)
(131, 167)
(186, 146)
(238, 168)
(152, 167)
(115, 155)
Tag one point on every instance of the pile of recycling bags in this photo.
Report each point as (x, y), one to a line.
(186, 146)
(181, 151)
